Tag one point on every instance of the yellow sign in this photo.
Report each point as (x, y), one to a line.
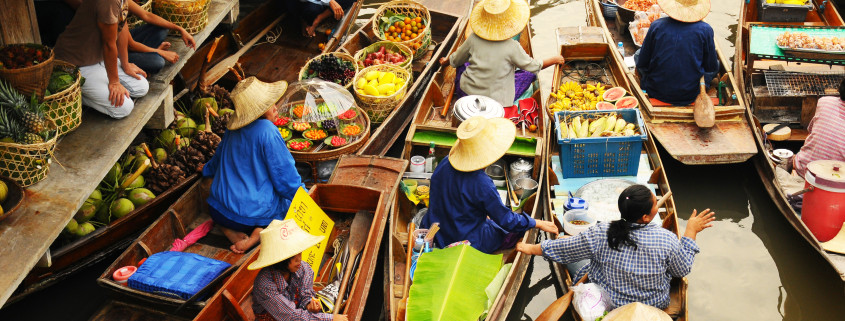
(311, 219)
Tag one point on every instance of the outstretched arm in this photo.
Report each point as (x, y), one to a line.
(155, 20)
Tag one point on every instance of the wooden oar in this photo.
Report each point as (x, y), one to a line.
(403, 303)
(703, 111)
(558, 308)
(357, 238)
(664, 199)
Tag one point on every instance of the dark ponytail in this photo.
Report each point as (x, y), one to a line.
(634, 202)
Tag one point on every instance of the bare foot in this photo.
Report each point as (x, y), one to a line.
(164, 46)
(310, 31)
(235, 237)
(245, 244)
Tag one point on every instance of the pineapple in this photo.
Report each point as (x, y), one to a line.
(9, 127)
(9, 97)
(31, 138)
(20, 119)
(32, 116)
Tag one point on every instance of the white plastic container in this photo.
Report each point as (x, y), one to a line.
(582, 215)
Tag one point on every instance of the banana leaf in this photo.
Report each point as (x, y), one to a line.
(449, 284)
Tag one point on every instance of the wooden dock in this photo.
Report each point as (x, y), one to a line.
(82, 159)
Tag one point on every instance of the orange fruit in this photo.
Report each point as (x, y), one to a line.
(407, 20)
(413, 35)
(321, 46)
(396, 24)
(417, 19)
(400, 24)
(406, 38)
(415, 29)
(328, 32)
(392, 29)
(532, 128)
(408, 32)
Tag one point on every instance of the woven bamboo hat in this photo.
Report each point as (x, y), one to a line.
(685, 10)
(637, 311)
(481, 142)
(252, 98)
(282, 240)
(498, 20)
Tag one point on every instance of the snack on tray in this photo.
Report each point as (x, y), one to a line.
(800, 40)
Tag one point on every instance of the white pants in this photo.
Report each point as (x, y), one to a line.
(95, 91)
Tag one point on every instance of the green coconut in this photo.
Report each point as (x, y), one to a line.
(140, 196)
(139, 161)
(178, 115)
(201, 128)
(120, 207)
(85, 229)
(137, 183)
(160, 155)
(198, 109)
(225, 111)
(102, 214)
(127, 161)
(113, 174)
(186, 127)
(165, 138)
(4, 191)
(86, 212)
(71, 227)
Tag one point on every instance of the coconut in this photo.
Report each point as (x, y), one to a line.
(71, 227)
(138, 182)
(140, 196)
(139, 161)
(86, 212)
(120, 207)
(201, 127)
(160, 155)
(165, 138)
(128, 161)
(4, 191)
(225, 111)
(85, 229)
(178, 115)
(113, 174)
(198, 109)
(102, 214)
(186, 127)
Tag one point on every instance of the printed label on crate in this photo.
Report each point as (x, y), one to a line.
(311, 218)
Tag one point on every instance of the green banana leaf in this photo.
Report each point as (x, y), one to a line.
(449, 284)
(494, 287)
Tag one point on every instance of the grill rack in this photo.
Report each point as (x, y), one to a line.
(792, 84)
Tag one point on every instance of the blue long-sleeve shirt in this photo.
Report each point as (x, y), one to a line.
(462, 201)
(673, 58)
(254, 175)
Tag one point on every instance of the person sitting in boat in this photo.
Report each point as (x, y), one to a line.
(677, 51)
(284, 288)
(826, 140)
(492, 54)
(254, 178)
(313, 12)
(147, 48)
(96, 41)
(630, 258)
(464, 200)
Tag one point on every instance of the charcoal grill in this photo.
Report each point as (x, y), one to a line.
(791, 84)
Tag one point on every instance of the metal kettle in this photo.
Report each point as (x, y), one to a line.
(477, 105)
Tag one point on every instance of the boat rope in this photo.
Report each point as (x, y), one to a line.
(272, 36)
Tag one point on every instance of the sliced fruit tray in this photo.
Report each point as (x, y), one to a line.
(327, 135)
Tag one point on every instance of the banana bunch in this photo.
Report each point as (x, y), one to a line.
(608, 125)
(574, 96)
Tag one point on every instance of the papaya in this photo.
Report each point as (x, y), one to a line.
(383, 89)
(371, 75)
(370, 90)
(387, 77)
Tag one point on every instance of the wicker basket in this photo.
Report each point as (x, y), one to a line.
(345, 56)
(334, 153)
(32, 79)
(189, 14)
(379, 107)
(132, 21)
(27, 164)
(406, 7)
(394, 46)
(65, 107)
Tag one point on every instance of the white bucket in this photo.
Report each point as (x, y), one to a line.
(581, 215)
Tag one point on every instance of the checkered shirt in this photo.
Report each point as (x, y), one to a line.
(827, 137)
(629, 275)
(285, 301)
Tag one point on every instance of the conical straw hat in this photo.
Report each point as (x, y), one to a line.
(685, 10)
(481, 142)
(497, 20)
(282, 240)
(252, 98)
(637, 312)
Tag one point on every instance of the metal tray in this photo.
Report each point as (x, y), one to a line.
(813, 53)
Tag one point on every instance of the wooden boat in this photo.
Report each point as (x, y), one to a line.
(358, 183)
(556, 188)
(729, 141)
(428, 124)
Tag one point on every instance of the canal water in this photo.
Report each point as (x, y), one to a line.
(752, 265)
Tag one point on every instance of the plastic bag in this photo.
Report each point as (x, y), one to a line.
(591, 301)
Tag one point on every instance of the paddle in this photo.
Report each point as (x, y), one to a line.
(703, 111)
(357, 238)
(559, 307)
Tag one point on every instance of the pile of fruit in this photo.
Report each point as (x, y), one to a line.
(23, 56)
(348, 115)
(299, 144)
(336, 141)
(331, 68)
(350, 130)
(595, 125)
(791, 2)
(315, 134)
(300, 126)
(22, 119)
(400, 27)
(379, 83)
(286, 133)
(800, 40)
(574, 96)
(639, 5)
(384, 56)
(281, 121)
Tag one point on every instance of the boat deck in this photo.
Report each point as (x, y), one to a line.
(81, 160)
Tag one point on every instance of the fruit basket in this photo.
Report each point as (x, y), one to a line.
(64, 107)
(344, 78)
(132, 21)
(12, 195)
(376, 100)
(188, 14)
(600, 156)
(27, 67)
(362, 55)
(392, 13)
(27, 164)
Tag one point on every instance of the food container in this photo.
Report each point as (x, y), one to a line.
(521, 168)
(575, 203)
(476, 105)
(822, 209)
(417, 164)
(123, 274)
(577, 215)
(496, 172)
(779, 12)
(524, 187)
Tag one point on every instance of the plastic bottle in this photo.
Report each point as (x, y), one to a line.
(431, 160)
(621, 48)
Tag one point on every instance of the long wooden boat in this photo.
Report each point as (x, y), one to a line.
(359, 183)
(729, 141)
(556, 188)
(430, 126)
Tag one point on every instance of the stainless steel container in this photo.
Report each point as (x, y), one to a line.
(521, 168)
(476, 105)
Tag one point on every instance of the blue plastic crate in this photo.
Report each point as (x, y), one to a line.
(176, 274)
(600, 156)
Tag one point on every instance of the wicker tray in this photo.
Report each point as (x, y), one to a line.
(395, 46)
(813, 53)
(319, 151)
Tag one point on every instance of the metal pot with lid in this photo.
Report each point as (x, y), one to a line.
(521, 168)
(477, 105)
(823, 209)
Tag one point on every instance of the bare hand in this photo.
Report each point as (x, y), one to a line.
(548, 227)
(188, 39)
(134, 71)
(339, 317)
(117, 93)
(337, 9)
(530, 249)
(559, 60)
(170, 56)
(444, 61)
(699, 222)
(314, 306)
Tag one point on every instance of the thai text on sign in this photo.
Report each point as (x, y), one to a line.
(311, 218)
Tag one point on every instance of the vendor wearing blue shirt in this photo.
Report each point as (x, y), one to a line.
(677, 51)
(313, 12)
(254, 174)
(464, 199)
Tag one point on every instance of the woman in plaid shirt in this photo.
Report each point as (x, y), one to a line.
(630, 258)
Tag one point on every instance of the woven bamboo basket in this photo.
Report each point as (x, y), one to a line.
(342, 55)
(406, 7)
(394, 46)
(65, 107)
(327, 153)
(379, 107)
(132, 21)
(32, 79)
(27, 164)
(189, 14)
